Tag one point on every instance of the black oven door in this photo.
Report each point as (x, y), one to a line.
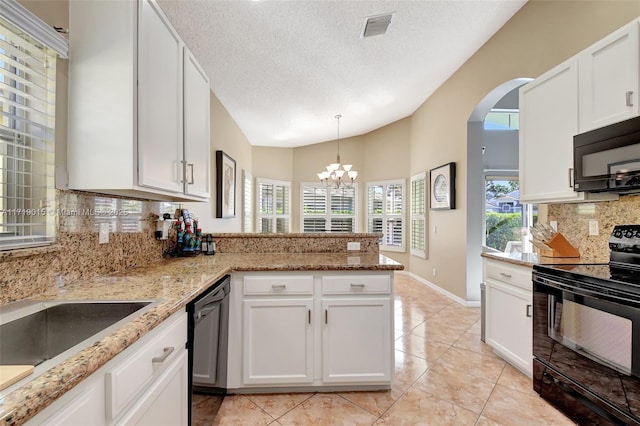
(585, 344)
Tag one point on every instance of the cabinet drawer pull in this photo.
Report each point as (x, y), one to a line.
(190, 165)
(629, 95)
(506, 275)
(529, 311)
(166, 352)
(278, 286)
(357, 285)
(184, 171)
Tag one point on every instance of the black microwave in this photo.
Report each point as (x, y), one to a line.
(608, 158)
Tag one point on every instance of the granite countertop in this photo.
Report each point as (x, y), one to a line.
(176, 282)
(530, 259)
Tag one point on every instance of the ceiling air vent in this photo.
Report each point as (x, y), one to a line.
(376, 25)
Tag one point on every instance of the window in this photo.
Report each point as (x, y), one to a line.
(385, 213)
(27, 128)
(502, 119)
(247, 219)
(328, 209)
(418, 215)
(507, 221)
(273, 206)
(121, 215)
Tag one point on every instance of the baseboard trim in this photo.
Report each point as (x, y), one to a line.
(465, 303)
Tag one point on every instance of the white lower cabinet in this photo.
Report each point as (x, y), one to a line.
(356, 337)
(309, 330)
(146, 384)
(278, 341)
(509, 313)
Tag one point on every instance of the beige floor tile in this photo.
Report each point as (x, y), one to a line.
(421, 347)
(513, 378)
(483, 421)
(279, 404)
(374, 402)
(406, 323)
(438, 332)
(418, 408)
(472, 363)
(327, 409)
(467, 391)
(511, 407)
(240, 410)
(204, 408)
(408, 368)
(471, 341)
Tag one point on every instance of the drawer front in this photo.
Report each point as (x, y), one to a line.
(126, 380)
(356, 284)
(278, 284)
(508, 273)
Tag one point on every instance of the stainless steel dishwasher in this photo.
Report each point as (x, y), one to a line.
(208, 339)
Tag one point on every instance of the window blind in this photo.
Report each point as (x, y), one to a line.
(385, 213)
(328, 209)
(27, 135)
(247, 223)
(418, 215)
(273, 206)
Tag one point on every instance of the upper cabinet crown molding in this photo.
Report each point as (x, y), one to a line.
(131, 83)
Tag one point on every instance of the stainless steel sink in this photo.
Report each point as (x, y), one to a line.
(42, 335)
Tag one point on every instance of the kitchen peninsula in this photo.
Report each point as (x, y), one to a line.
(175, 282)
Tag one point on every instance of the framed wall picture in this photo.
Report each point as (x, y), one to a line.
(225, 185)
(443, 187)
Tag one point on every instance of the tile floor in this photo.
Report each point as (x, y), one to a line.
(444, 375)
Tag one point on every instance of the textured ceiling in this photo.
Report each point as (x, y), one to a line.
(284, 69)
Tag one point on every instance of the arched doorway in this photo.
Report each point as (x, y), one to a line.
(476, 183)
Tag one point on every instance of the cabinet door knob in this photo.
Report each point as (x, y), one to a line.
(326, 316)
(166, 352)
(184, 171)
(629, 95)
(529, 315)
(309, 315)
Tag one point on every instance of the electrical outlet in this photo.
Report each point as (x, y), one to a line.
(593, 227)
(434, 272)
(435, 229)
(554, 224)
(103, 236)
(353, 245)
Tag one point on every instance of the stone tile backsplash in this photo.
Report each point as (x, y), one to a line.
(573, 222)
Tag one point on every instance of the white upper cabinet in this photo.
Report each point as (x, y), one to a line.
(131, 83)
(597, 87)
(609, 79)
(197, 142)
(548, 121)
(160, 150)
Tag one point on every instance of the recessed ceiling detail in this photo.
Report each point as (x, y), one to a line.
(376, 25)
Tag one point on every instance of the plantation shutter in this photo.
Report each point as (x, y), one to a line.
(273, 199)
(385, 213)
(28, 52)
(418, 216)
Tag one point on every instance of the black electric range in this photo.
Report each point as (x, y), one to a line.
(586, 334)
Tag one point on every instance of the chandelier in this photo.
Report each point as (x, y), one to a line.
(338, 174)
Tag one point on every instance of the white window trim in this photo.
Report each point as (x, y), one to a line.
(273, 216)
(416, 251)
(328, 215)
(383, 245)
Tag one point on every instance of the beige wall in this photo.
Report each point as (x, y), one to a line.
(539, 36)
(225, 136)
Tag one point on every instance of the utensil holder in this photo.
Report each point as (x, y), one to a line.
(560, 247)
